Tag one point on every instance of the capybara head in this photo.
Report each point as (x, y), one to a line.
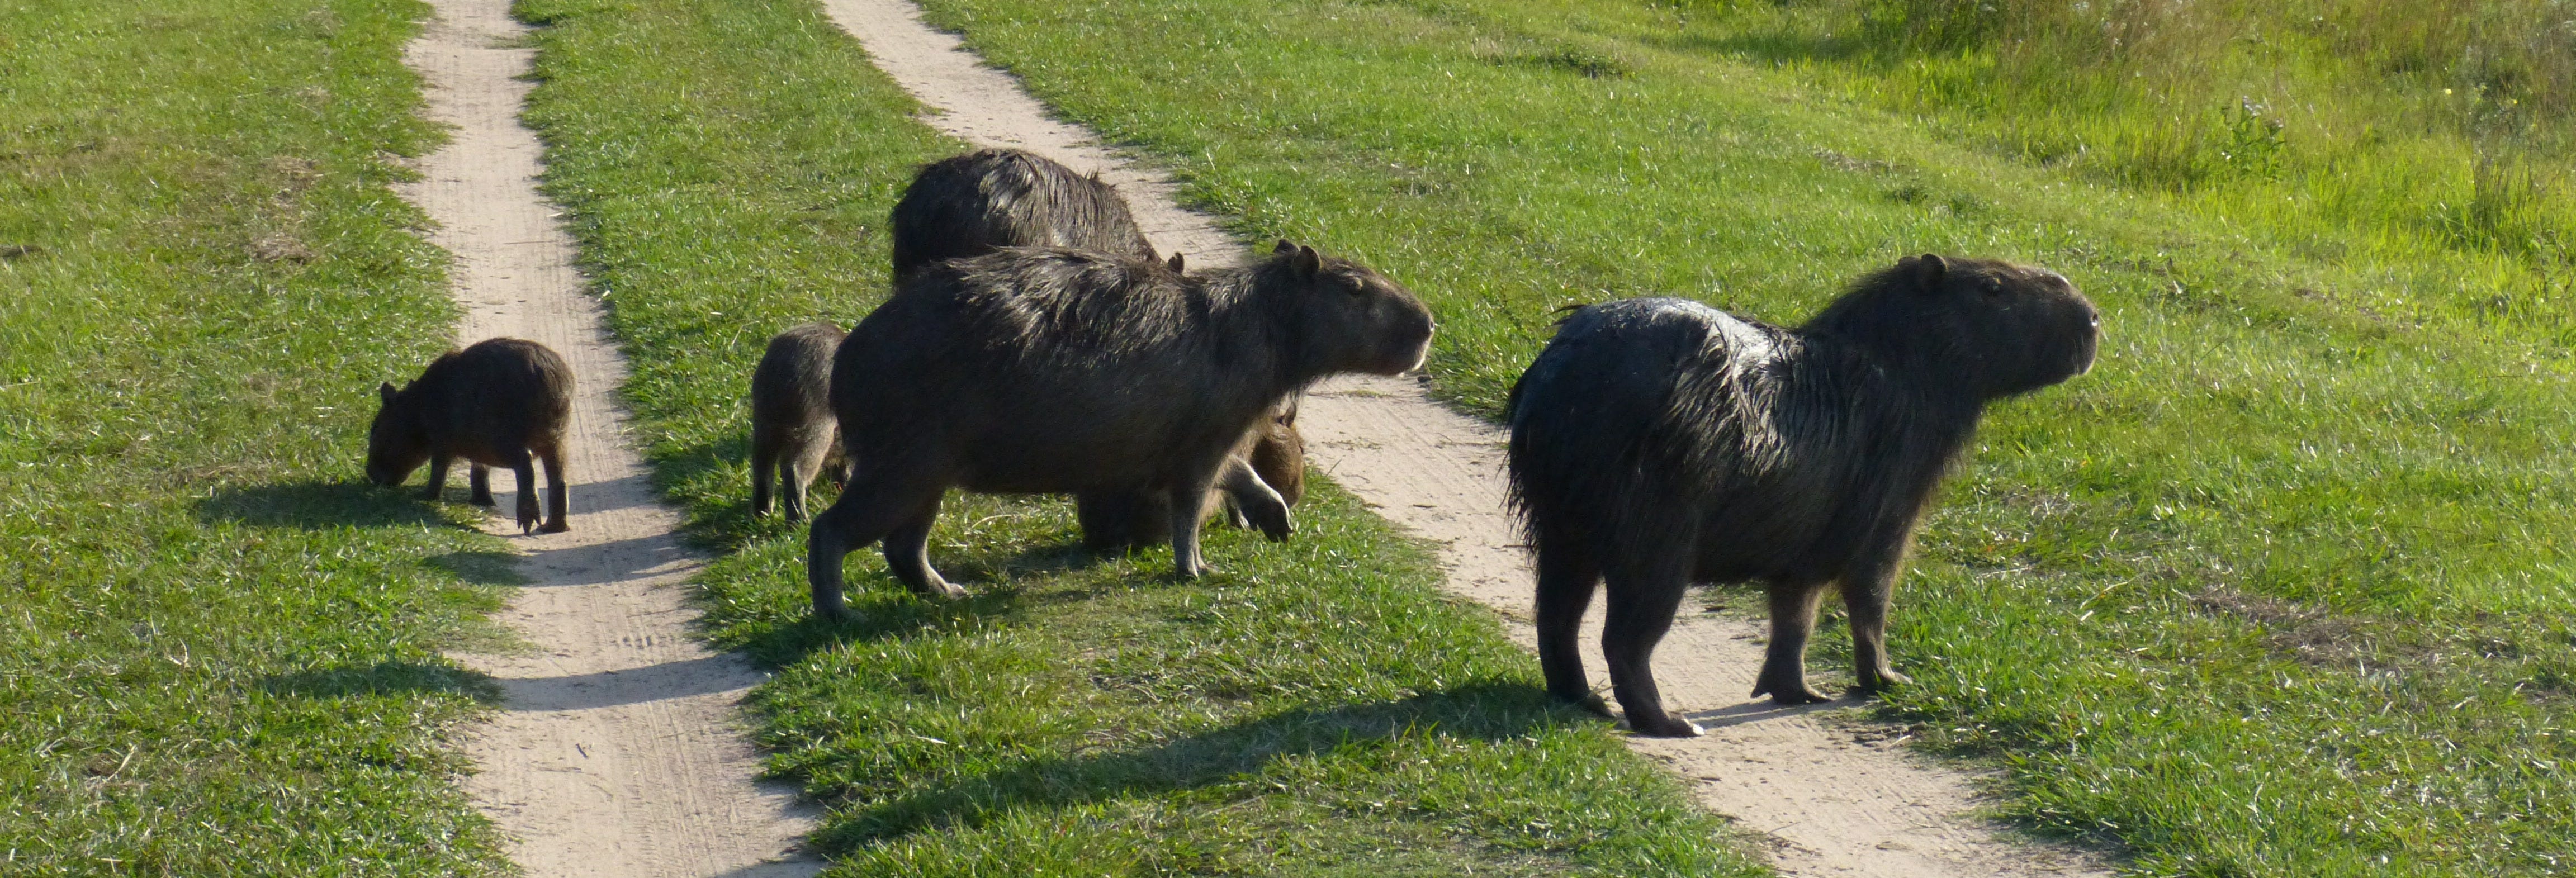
(1999, 327)
(395, 445)
(1353, 319)
(1279, 452)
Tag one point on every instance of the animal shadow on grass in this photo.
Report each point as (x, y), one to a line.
(1490, 711)
(383, 678)
(318, 505)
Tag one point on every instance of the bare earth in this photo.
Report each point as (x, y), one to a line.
(1831, 803)
(618, 752)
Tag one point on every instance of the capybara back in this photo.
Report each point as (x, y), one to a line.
(495, 403)
(986, 200)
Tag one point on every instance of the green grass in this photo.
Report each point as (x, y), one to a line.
(218, 648)
(1316, 709)
(2277, 590)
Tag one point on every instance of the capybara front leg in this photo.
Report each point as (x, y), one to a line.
(1186, 498)
(764, 474)
(437, 477)
(907, 554)
(1784, 665)
(478, 478)
(1566, 581)
(1867, 594)
(1253, 499)
(1641, 607)
(558, 496)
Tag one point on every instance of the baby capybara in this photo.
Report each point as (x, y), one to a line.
(1055, 371)
(1274, 453)
(503, 402)
(1657, 442)
(986, 200)
(793, 436)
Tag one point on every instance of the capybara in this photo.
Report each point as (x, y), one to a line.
(1060, 371)
(1117, 521)
(1657, 442)
(496, 403)
(793, 436)
(986, 200)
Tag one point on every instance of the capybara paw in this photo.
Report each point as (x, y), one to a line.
(1873, 684)
(555, 528)
(1277, 529)
(1663, 725)
(836, 614)
(483, 500)
(1791, 695)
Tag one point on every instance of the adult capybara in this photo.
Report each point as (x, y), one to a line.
(1657, 442)
(793, 436)
(496, 403)
(986, 200)
(1274, 453)
(1054, 371)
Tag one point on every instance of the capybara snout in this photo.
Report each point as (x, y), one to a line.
(502, 402)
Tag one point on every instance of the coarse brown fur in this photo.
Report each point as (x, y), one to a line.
(502, 402)
(793, 435)
(1658, 442)
(1057, 371)
(973, 204)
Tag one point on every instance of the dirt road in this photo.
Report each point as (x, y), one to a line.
(1832, 804)
(618, 751)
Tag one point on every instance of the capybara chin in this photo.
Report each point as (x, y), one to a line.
(1273, 454)
(1059, 371)
(1658, 442)
(502, 402)
(793, 436)
(973, 204)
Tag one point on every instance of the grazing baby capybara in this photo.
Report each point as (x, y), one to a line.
(974, 204)
(502, 402)
(793, 436)
(1060, 371)
(1274, 453)
(1658, 442)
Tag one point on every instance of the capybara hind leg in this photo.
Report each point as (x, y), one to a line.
(1186, 510)
(1784, 665)
(525, 468)
(1254, 501)
(907, 554)
(797, 473)
(764, 473)
(479, 478)
(558, 496)
(1641, 606)
(1566, 581)
(873, 507)
(437, 477)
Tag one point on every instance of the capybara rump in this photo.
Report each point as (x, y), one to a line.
(793, 435)
(1658, 442)
(502, 402)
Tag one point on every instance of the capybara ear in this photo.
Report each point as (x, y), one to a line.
(1284, 248)
(385, 391)
(1307, 262)
(1928, 271)
(1174, 263)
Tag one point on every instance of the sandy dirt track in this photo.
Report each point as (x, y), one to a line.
(1830, 803)
(618, 752)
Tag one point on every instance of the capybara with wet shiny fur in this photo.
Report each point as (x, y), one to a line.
(1117, 521)
(502, 402)
(1060, 371)
(983, 201)
(793, 436)
(1658, 442)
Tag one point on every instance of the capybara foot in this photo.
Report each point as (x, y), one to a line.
(555, 528)
(1274, 523)
(1879, 683)
(483, 500)
(1591, 704)
(1791, 694)
(836, 614)
(1660, 724)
